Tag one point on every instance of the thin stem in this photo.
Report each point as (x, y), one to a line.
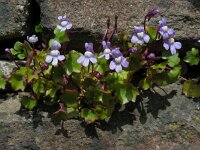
(89, 68)
(106, 32)
(145, 23)
(114, 29)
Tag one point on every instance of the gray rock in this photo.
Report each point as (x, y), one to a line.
(89, 16)
(14, 16)
(166, 120)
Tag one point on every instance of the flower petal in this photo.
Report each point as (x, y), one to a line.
(69, 25)
(61, 57)
(104, 44)
(146, 38)
(177, 45)
(60, 18)
(55, 61)
(93, 60)
(107, 56)
(118, 68)
(166, 46)
(101, 56)
(112, 65)
(134, 39)
(173, 49)
(125, 63)
(81, 59)
(48, 59)
(86, 62)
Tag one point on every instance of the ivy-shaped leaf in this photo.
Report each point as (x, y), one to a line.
(89, 115)
(61, 36)
(191, 88)
(17, 50)
(38, 28)
(28, 102)
(126, 93)
(38, 87)
(71, 64)
(152, 32)
(192, 57)
(17, 79)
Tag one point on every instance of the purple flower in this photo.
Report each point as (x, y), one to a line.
(198, 41)
(32, 39)
(152, 13)
(55, 54)
(133, 49)
(164, 30)
(64, 23)
(151, 56)
(88, 56)
(118, 61)
(172, 45)
(140, 36)
(107, 50)
(7, 50)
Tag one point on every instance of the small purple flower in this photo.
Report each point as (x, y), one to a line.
(32, 39)
(55, 54)
(172, 45)
(88, 55)
(198, 41)
(140, 36)
(133, 49)
(152, 13)
(107, 50)
(151, 56)
(164, 30)
(118, 61)
(7, 50)
(64, 23)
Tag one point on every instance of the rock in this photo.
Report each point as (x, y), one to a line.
(14, 15)
(165, 119)
(89, 16)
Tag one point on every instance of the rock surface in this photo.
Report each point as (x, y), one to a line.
(164, 119)
(14, 15)
(89, 16)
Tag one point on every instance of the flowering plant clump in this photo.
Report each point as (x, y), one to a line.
(89, 85)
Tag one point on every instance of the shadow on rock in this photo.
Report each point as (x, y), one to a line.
(155, 102)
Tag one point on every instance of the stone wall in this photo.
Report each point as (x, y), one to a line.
(89, 17)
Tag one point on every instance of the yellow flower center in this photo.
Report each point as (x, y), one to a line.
(63, 23)
(107, 50)
(88, 54)
(164, 28)
(118, 60)
(171, 40)
(140, 34)
(55, 52)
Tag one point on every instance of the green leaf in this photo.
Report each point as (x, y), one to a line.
(70, 98)
(101, 66)
(152, 31)
(126, 93)
(173, 60)
(192, 57)
(38, 87)
(174, 73)
(2, 82)
(118, 78)
(21, 56)
(28, 102)
(102, 112)
(71, 64)
(61, 36)
(14, 52)
(17, 81)
(191, 88)
(145, 84)
(57, 74)
(51, 91)
(38, 28)
(89, 115)
(26, 47)
(72, 113)
(17, 46)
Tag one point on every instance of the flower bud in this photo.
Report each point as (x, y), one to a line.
(151, 56)
(133, 49)
(7, 50)
(152, 13)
